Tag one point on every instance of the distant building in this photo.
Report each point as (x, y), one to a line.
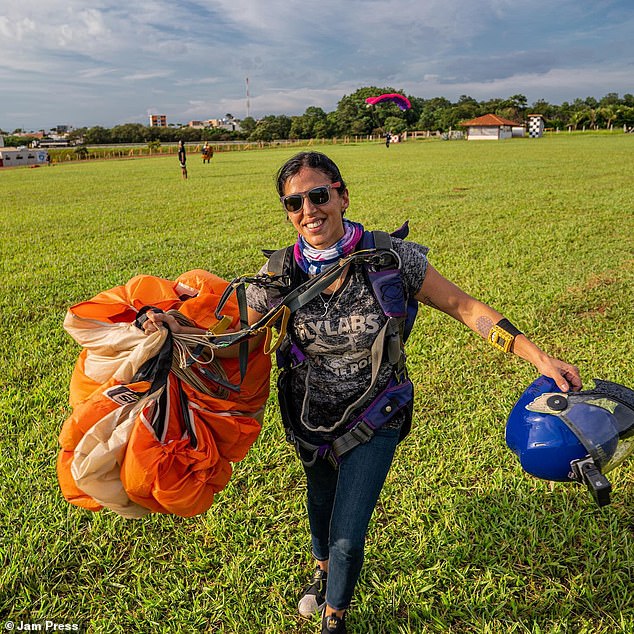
(52, 141)
(196, 124)
(17, 157)
(231, 125)
(36, 135)
(489, 127)
(158, 121)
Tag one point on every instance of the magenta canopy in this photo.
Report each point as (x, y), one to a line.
(400, 100)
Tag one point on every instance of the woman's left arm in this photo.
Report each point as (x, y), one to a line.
(438, 292)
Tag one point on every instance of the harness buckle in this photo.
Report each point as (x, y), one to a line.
(362, 432)
(333, 459)
(400, 370)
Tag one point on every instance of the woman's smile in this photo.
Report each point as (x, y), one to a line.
(321, 226)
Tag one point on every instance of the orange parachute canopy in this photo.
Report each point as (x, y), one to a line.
(156, 424)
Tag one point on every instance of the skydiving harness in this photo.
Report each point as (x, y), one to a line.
(381, 266)
(288, 290)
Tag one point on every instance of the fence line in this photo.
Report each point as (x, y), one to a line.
(135, 150)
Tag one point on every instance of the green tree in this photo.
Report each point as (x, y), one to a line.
(626, 116)
(581, 118)
(16, 141)
(353, 115)
(97, 136)
(432, 114)
(493, 105)
(248, 125)
(464, 109)
(611, 99)
(608, 113)
(271, 128)
(313, 124)
(129, 133)
(516, 107)
(542, 107)
(395, 125)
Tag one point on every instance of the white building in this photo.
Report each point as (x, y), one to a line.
(14, 157)
(489, 127)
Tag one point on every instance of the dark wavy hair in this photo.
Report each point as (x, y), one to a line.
(317, 161)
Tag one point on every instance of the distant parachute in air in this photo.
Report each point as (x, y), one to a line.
(400, 100)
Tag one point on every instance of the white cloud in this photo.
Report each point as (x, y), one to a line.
(556, 85)
(159, 74)
(16, 30)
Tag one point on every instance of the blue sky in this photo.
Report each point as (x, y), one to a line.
(106, 62)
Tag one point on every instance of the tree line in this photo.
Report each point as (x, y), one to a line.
(353, 117)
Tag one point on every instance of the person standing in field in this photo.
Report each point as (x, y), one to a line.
(340, 371)
(207, 152)
(182, 158)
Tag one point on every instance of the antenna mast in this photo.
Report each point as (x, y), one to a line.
(248, 97)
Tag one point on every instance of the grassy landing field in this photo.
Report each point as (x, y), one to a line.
(462, 539)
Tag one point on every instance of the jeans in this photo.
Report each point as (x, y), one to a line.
(340, 504)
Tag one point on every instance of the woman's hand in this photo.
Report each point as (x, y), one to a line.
(565, 375)
(155, 321)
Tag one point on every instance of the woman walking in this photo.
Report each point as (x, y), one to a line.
(333, 373)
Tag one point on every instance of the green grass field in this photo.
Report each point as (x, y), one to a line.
(462, 539)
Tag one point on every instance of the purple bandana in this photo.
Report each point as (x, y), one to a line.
(313, 261)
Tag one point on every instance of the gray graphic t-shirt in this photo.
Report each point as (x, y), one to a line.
(336, 333)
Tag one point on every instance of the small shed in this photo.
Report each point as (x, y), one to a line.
(16, 157)
(489, 127)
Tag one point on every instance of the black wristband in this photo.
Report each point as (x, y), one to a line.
(505, 324)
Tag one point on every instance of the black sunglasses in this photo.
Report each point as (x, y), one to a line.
(318, 196)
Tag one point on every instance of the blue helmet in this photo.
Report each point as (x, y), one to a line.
(574, 436)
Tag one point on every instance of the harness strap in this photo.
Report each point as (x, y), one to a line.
(383, 273)
(294, 300)
(377, 355)
(285, 313)
(394, 398)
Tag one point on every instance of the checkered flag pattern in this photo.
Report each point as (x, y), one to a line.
(535, 127)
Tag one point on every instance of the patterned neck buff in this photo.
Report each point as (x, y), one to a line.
(314, 261)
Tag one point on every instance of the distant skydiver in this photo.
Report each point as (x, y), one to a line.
(182, 158)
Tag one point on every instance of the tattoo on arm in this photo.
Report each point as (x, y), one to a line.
(484, 325)
(428, 302)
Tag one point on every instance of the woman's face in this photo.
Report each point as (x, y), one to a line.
(320, 225)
